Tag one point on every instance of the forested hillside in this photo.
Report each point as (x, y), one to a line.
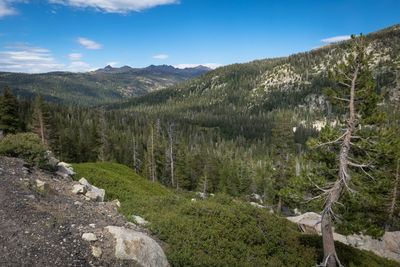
(97, 87)
(257, 129)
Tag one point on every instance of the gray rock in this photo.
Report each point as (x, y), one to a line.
(51, 159)
(139, 220)
(65, 168)
(116, 203)
(78, 203)
(64, 175)
(96, 251)
(309, 222)
(89, 237)
(94, 193)
(79, 189)
(42, 185)
(136, 246)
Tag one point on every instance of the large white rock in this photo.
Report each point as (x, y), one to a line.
(94, 193)
(133, 245)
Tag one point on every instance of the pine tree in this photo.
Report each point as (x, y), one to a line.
(282, 153)
(94, 143)
(9, 118)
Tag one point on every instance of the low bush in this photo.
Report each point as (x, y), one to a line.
(27, 146)
(219, 231)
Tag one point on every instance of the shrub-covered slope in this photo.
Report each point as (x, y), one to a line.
(220, 231)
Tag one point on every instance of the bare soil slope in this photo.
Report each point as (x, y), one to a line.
(43, 226)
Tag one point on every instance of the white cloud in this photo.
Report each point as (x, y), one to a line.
(75, 56)
(89, 44)
(112, 64)
(336, 39)
(161, 56)
(24, 58)
(208, 65)
(115, 6)
(78, 66)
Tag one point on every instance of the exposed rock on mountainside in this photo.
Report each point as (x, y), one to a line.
(42, 223)
(388, 246)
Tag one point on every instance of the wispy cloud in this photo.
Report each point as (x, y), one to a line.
(78, 66)
(336, 39)
(89, 44)
(75, 56)
(115, 6)
(24, 58)
(161, 56)
(6, 9)
(208, 65)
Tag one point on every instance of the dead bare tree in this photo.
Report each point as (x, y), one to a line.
(171, 153)
(394, 196)
(354, 82)
(135, 155)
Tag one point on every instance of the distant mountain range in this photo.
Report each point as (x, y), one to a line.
(247, 94)
(96, 87)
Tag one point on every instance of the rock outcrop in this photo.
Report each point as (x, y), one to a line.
(388, 246)
(65, 169)
(92, 192)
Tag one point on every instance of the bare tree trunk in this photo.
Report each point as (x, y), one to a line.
(330, 256)
(135, 155)
(205, 186)
(394, 198)
(171, 154)
(153, 171)
(297, 167)
(41, 125)
(279, 208)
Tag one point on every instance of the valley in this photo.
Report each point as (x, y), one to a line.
(257, 141)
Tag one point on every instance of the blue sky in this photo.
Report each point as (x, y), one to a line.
(82, 35)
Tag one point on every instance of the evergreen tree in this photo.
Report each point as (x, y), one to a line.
(94, 143)
(282, 153)
(9, 118)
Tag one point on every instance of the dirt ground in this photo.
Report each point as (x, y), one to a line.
(43, 226)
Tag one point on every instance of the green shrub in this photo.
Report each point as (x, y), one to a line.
(27, 146)
(219, 231)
